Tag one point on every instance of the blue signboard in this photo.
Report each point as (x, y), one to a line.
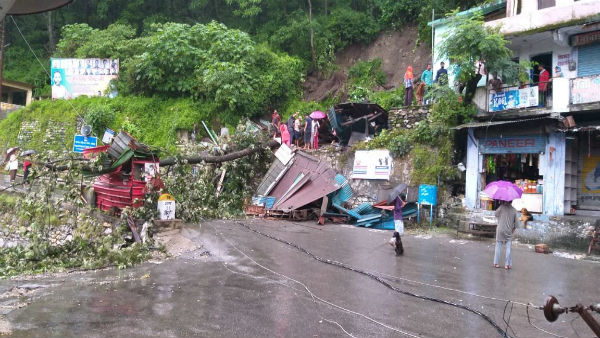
(81, 142)
(513, 144)
(427, 194)
(514, 98)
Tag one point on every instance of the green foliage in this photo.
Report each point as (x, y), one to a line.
(153, 121)
(99, 118)
(83, 41)
(367, 73)
(389, 99)
(363, 77)
(468, 41)
(196, 190)
(432, 136)
(41, 219)
(345, 26)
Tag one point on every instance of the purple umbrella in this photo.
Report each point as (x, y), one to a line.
(317, 115)
(503, 191)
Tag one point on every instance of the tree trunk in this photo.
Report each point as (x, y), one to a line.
(203, 157)
(312, 37)
(326, 8)
(51, 42)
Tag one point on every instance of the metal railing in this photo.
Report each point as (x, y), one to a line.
(508, 97)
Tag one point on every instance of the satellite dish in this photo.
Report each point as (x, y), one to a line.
(86, 130)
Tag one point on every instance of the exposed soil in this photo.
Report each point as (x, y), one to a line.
(397, 50)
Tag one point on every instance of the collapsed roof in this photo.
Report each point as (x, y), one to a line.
(356, 121)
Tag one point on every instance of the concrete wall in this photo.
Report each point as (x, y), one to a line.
(531, 18)
(553, 170)
(474, 163)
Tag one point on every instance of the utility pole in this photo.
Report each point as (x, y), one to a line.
(2, 60)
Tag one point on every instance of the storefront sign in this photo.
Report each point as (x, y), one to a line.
(372, 165)
(512, 145)
(517, 98)
(585, 89)
(585, 38)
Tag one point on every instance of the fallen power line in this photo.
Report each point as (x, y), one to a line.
(489, 320)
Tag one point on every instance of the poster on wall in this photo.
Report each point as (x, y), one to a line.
(585, 89)
(74, 77)
(372, 165)
(516, 98)
(590, 178)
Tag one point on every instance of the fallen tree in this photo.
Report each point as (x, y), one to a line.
(204, 157)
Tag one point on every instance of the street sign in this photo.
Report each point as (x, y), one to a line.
(81, 142)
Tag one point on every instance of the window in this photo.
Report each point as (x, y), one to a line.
(546, 3)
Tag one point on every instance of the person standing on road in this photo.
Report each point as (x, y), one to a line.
(507, 218)
(396, 241)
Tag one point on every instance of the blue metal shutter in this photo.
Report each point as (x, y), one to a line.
(589, 60)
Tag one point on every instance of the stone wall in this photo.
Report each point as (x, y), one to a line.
(367, 190)
(407, 117)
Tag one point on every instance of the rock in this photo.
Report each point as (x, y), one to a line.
(107, 231)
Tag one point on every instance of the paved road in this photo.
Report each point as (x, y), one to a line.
(241, 284)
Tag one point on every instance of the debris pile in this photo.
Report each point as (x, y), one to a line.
(299, 186)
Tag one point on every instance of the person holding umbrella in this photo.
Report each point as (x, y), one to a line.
(13, 163)
(507, 218)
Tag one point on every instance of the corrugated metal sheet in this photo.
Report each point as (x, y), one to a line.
(321, 183)
(273, 174)
(588, 60)
(496, 123)
(302, 163)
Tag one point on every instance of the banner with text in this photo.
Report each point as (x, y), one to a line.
(513, 145)
(74, 77)
(515, 98)
(372, 165)
(585, 89)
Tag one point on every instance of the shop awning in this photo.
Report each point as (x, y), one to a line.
(497, 123)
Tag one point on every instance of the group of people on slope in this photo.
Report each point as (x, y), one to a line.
(295, 131)
(424, 83)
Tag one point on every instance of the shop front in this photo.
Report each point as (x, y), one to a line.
(532, 158)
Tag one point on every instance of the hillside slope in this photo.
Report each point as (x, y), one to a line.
(397, 50)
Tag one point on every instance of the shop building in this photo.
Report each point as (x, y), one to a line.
(549, 143)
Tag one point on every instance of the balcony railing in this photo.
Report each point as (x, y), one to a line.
(561, 95)
(517, 97)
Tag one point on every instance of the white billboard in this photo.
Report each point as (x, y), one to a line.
(74, 77)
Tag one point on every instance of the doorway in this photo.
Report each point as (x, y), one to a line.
(546, 60)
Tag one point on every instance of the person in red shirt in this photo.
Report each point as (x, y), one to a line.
(544, 79)
(26, 165)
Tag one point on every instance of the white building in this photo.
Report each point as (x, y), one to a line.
(548, 141)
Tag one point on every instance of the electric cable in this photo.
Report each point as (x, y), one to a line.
(377, 278)
(540, 329)
(315, 296)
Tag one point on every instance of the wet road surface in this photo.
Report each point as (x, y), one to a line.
(240, 284)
